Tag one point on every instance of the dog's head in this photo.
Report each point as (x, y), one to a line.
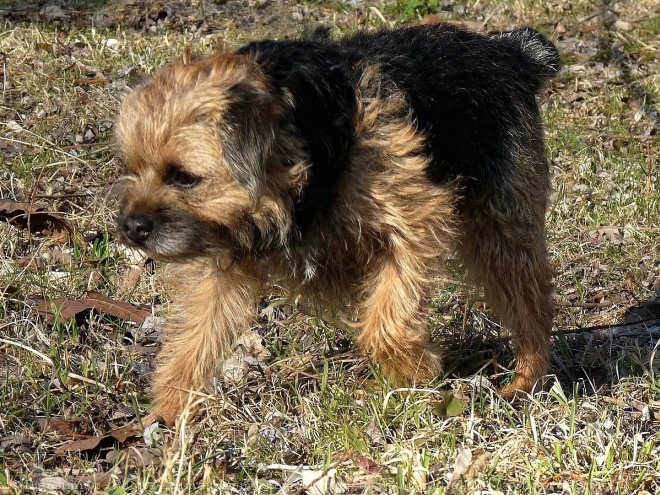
(203, 167)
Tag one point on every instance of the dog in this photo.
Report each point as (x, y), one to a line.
(343, 170)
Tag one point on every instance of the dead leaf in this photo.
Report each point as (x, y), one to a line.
(118, 309)
(85, 444)
(123, 411)
(463, 461)
(94, 279)
(313, 482)
(138, 457)
(130, 280)
(64, 309)
(369, 466)
(480, 462)
(14, 126)
(374, 433)
(631, 282)
(611, 234)
(120, 435)
(247, 359)
(99, 480)
(15, 441)
(59, 309)
(76, 47)
(32, 263)
(46, 47)
(656, 286)
(38, 220)
(68, 427)
(54, 12)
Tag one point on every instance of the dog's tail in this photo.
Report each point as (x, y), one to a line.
(543, 54)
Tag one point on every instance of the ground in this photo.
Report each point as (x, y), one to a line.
(296, 409)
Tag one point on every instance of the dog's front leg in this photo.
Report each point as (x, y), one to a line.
(212, 306)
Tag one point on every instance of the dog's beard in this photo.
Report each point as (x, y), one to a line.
(178, 236)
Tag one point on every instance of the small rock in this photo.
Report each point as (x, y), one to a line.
(53, 12)
(620, 25)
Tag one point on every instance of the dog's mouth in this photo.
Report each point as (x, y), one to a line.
(171, 237)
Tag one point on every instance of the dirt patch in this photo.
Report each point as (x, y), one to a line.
(242, 18)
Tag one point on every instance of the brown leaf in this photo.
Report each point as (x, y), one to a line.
(130, 280)
(120, 435)
(611, 234)
(15, 441)
(68, 427)
(136, 456)
(94, 279)
(76, 47)
(60, 309)
(83, 445)
(374, 433)
(369, 466)
(31, 263)
(37, 220)
(656, 286)
(119, 309)
(480, 462)
(126, 432)
(65, 309)
(54, 49)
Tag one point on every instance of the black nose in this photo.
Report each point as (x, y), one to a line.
(137, 227)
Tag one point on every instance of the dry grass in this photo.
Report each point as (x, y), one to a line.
(311, 405)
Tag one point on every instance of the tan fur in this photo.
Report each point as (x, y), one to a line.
(376, 266)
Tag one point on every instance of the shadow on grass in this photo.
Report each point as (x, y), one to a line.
(586, 360)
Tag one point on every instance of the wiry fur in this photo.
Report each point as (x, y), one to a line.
(343, 170)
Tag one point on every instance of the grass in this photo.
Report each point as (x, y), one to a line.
(317, 411)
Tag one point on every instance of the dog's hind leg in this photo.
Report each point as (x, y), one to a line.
(503, 247)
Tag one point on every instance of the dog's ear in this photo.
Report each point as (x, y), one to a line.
(247, 134)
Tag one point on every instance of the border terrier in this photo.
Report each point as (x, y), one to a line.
(343, 170)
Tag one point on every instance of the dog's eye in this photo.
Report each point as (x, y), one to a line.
(182, 179)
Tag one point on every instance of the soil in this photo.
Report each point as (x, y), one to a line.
(242, 18)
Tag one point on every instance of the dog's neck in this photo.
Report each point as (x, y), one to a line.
(312, 80)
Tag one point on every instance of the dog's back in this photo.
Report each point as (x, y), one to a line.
(473, 96)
